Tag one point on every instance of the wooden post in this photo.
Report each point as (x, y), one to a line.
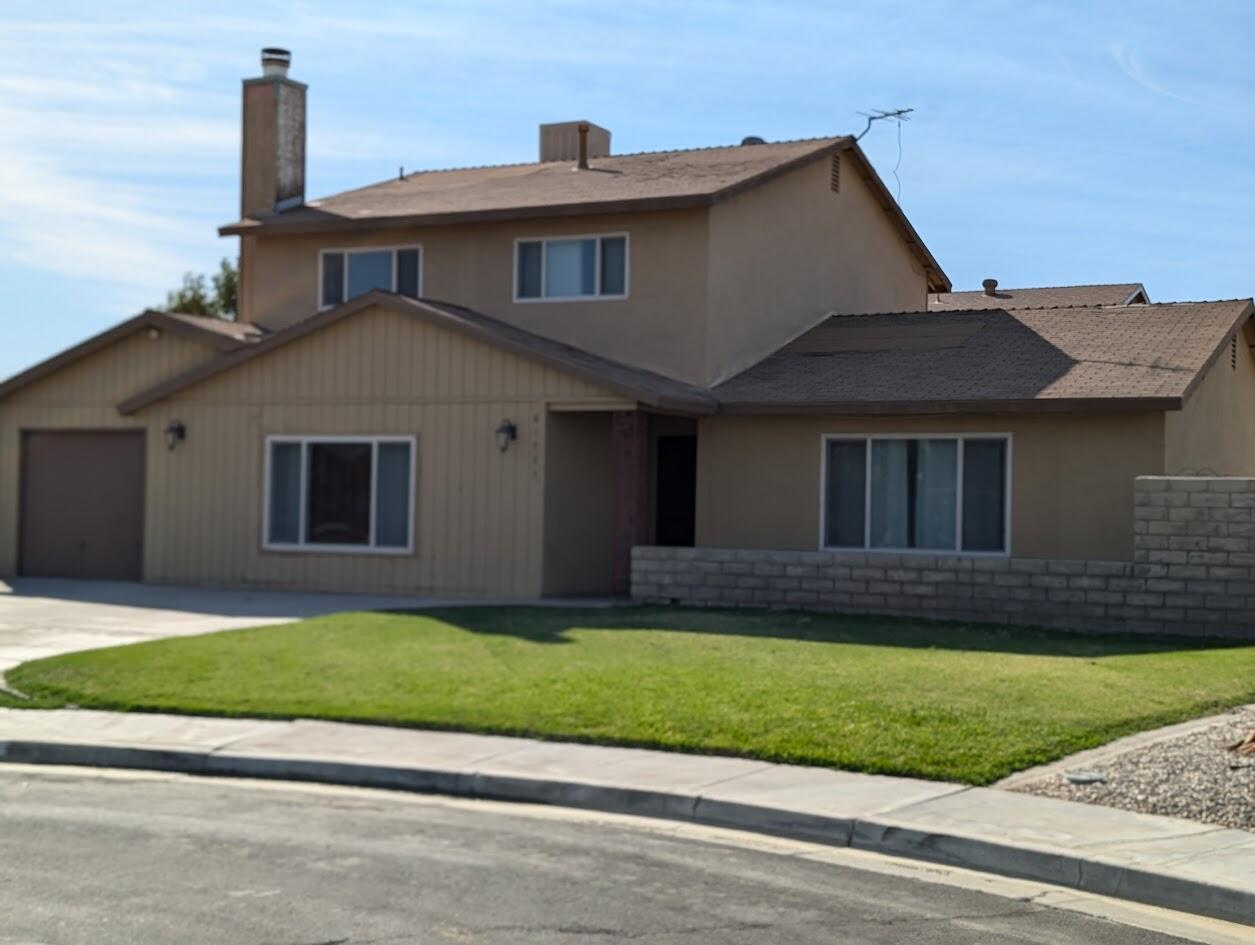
(629, 441)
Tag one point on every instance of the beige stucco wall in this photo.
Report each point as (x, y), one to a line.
(710, 290)
(478, 512)
(579, 504)
(758, 478)
(783, 254)
(1214, 435)
(84, 396)
(659, 326)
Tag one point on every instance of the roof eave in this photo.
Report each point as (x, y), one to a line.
(938, 281)
(276, 226)
(899, 408)
(146, 319)
(696, 404)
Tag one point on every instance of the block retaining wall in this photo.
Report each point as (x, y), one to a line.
(1193, 573)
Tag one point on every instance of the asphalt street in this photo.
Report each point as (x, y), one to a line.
(134, 859)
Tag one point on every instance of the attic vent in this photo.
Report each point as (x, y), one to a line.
(1233, 353)
(836, 174)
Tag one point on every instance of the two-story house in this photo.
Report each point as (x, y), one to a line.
(498, 380)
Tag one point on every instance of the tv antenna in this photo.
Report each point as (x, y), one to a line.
(897, 114)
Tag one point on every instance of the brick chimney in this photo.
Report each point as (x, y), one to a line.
(272, 169)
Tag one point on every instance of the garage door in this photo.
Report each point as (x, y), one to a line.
(83, 505)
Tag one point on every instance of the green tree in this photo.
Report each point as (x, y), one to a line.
(196, 297)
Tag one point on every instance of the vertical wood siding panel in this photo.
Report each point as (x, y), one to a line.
(477, 513)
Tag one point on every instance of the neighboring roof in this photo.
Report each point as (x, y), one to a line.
(1136, 357)
(644, 386)
(237, 331)
(659, 180)
(215, 332)
(1120, 293)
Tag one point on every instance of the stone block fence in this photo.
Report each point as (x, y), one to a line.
(1193, 573)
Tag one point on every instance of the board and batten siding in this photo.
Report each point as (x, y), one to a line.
(83, 396)
(478, 512)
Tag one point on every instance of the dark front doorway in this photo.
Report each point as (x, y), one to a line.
(82, 505)
(676, 496)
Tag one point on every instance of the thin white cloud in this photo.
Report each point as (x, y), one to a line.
(1132, 67)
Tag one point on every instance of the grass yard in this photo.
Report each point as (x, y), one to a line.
(933, 700)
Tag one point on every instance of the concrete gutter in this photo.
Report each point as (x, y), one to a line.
(1161, 861)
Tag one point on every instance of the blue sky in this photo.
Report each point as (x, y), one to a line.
(1051, 142)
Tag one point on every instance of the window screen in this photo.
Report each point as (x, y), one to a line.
(407, 273)
(529, 270)
(984, 495)
(845, 499)
(332, 279)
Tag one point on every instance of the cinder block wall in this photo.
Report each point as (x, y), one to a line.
(1193, 573)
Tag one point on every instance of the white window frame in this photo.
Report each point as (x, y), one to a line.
(304, 441)
(544, 242)
(869, 438)
(349, 250)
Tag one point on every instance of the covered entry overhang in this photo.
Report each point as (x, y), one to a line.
(614, 478)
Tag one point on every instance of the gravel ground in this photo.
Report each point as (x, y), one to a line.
(1190, 776)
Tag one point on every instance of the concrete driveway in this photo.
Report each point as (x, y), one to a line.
(43, 617)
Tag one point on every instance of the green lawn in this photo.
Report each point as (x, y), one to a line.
(933, 700)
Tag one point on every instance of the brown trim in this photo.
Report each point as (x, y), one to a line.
(893, 408)
(600, 373)
(1248, 310)
(938, 281)
(148, 319)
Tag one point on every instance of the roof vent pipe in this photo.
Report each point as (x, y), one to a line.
(275, 61)
(990, 286)
(582, 129)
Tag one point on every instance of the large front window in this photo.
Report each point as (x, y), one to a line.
(922, 493)
(346, 274)
(589, 267)
(339, 493)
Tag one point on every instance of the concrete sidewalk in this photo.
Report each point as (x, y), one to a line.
(1170, 863)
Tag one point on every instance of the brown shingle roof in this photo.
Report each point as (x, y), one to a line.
(651, 389)
(660, 180)
(1040, 297)
(1097, 357)
(215, 332)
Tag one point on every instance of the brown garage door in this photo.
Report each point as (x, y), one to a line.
(83, 505)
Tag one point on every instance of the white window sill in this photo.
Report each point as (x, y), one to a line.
(337, 549)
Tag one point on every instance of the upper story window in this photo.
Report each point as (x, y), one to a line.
(347, 273)
(570, 268)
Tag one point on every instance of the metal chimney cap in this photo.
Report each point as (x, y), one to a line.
(990, 286)
(275, 61)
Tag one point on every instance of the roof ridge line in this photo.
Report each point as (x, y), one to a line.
(1038, 288)
(507, 164)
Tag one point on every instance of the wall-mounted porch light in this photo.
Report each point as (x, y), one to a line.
(176, 433)
(507, 433)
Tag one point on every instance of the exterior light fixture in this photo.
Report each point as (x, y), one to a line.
(507, 433)
(176, 433)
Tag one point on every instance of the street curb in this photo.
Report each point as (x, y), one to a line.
(877, 833)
